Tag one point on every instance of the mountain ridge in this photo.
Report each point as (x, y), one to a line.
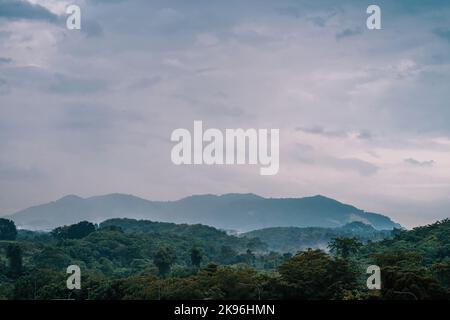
(231, 211)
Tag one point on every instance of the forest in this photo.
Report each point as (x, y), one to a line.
(131, 259)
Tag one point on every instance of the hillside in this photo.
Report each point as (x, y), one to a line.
(129, 259)
(429, 244)
(240, 212)
(206, 235)
(293, 239)
(121, 247)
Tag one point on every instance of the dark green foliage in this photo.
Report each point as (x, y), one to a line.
(313, 274)
(441, 272)
(75, 231)
(8, 230)
(14, 255)
(411, 285)
(163, 259)
(293, 239)
(344, 247)
(196, 257)
(201, 234)
(129, 259)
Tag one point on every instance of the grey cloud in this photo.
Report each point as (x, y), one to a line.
(363, 167)
(213, 106)
(106, 1)
(322, 19)
(348, 33)
(220, 109)
(64, 84)
(145, 83)
(260, 76)
(442, 33)
(307, 154)
(95, 124)
(17, 9)
(418, 163)
(206, 70)
(89, 127)
(92, 28)
(293, 12)
(319, 130)
(365, 135)
(15, 173)
(86, 117)
(4, 87)
(5, 60)
(5, 34)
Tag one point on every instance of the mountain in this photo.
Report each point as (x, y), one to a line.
(294, 239)
(240, 212)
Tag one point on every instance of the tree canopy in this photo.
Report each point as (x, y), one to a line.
(8, 230)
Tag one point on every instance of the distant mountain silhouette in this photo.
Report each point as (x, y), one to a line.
(241, 212)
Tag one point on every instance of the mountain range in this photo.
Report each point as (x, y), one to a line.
(237, 212)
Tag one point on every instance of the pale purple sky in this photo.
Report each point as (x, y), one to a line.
(363, 115)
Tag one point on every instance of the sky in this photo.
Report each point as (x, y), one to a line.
(363, 114)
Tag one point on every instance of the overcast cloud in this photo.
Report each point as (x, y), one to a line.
(363, 115)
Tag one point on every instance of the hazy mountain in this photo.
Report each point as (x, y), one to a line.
(293, 239)
(241, 212)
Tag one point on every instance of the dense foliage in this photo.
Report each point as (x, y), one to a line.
(8, 230)
(130, 259)
(294, 239)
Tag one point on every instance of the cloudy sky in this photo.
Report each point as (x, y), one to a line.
(364, 115)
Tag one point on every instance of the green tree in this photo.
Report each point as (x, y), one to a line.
(441, 272)
(14, 255)
(313, 274)
(75, 231)
(249, 257)
(8, 230)
(196, 257)
(227, 255)
(163, 260)
(399, 284)
(344, 247)
(51, 258)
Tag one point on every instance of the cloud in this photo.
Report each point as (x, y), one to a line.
(145, 82)
(289, 11)
(348, 33)
(442, 33)
(362, 167)
(65, 84)
(5, 60)
(112, 94)
(365, 135)
(4, 87)
(319, 157)
(319, 130)
(21, 9)
(92, 28)
(16, 173)
(322, 20)
(106, 1)
(418, 163)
